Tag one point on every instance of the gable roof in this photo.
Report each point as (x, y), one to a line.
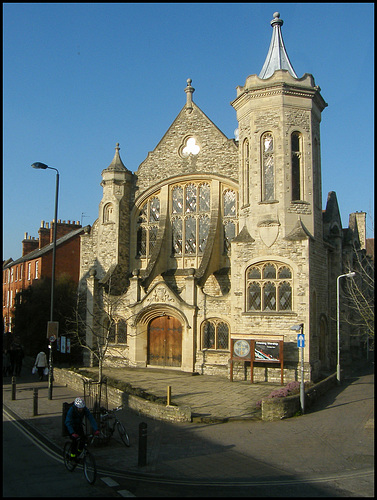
(35, 254)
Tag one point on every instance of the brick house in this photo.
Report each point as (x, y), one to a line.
(36, 261)
(216, 240)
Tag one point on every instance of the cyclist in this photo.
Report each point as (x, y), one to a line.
(74, 424)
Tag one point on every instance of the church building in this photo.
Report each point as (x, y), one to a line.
(216, 253)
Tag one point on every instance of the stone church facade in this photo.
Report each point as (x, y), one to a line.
(214, 239)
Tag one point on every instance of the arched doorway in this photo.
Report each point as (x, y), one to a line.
(165, 341)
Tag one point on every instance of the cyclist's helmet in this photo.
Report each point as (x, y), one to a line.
(79, 403)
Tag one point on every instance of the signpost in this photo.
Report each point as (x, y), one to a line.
(301, 345)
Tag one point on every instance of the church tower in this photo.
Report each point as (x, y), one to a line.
(114, 217)
(279, 118)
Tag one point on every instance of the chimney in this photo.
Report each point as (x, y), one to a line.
(29, 244)
(63, 228)
(44, 234)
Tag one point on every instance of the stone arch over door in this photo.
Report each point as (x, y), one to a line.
(164, 347)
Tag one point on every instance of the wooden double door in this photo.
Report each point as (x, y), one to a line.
(165, 342)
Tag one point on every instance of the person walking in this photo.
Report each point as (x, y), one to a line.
(41, 363)
(18, 357)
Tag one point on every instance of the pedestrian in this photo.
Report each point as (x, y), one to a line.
(12, 357)
(41, 363)
(6, 363)
(18, 357)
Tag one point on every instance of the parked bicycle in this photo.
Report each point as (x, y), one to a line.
(85, 458)
(108, 422)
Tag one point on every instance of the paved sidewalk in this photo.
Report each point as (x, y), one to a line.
(335, 437)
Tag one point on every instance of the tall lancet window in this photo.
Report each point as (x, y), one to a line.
(246, 171)
(296, 148)
(268, 173)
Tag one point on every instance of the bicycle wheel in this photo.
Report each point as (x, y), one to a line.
(90, 469)
(106, 431)
(123, 434)
(70, 464)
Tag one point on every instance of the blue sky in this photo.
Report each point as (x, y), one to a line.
(78, 78)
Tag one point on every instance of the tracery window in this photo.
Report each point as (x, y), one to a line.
(269, 287)
(215, 334)
(229, 217)
(296, 141)
(190, 208)
(116, 330)
(149, 217)
(268, 172)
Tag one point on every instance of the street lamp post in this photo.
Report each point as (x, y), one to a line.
(42, 166)
(348, 275)
(301, 344)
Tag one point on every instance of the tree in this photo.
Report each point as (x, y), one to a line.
(32, 313)
(360, 291)
(95, 328)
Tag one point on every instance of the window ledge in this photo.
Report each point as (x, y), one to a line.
(269, 313)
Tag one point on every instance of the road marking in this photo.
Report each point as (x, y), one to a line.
(125, 493)
(109, 481)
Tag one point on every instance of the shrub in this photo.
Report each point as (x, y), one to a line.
(289, 390)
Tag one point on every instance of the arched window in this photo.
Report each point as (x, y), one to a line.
(269, 287)
(115, 329)
(190, 210)
(215, 334)
(229, 217)
(108, 213)
(268, 168)
(296, 149)
(149, 218)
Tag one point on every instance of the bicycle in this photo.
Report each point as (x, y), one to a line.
(85, 458)
(107, 427)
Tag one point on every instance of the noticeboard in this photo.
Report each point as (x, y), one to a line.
(256, 351)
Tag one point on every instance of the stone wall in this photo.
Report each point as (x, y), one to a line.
(279, 408)
(117, 397)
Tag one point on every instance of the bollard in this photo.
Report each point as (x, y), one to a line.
(168, 399)
(13, 388)
(142, 461)
(35, 402)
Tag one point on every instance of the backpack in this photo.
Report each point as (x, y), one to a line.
(66, 407)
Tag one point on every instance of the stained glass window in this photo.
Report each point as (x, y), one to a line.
(203, 231)
(215, 334)
(268, 174)
(229, 217)
(204, 198)
(269, 287)
(190, 235)
(177, 200)
(296, 165)
(177, 236)
(147, 231)
(191, 198)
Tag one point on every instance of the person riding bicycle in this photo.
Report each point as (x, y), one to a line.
(74, 424)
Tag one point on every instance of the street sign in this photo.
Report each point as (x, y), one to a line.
(300, 340)
(52, 330)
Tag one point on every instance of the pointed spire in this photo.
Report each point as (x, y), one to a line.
(189, 91)
(277, 57)
(117, 163)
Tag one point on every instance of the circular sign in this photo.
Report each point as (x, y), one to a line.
(52, 338)
(241, 348)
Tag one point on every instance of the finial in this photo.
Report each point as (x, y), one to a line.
(117, 146)
(276, 19)
(189, 91)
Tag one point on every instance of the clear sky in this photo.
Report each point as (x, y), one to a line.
(80, 77)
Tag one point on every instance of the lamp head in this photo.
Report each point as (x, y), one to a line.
(39, 165)
(297, 328)
(351, 275)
